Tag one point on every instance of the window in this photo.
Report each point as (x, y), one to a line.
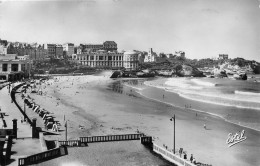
(4, 67)
(101, 58)
(109, 58)
(23, 67)
(14, 67)
(91, 57)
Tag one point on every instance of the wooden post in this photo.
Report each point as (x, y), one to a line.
(15, 128)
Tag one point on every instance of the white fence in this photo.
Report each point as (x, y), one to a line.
(171, 157)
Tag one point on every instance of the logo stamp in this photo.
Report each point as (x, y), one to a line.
(235, 138)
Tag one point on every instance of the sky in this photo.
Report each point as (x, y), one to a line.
(200, 28)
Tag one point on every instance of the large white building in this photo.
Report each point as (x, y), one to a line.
(131, 60)
(150, 57)
(128, 60)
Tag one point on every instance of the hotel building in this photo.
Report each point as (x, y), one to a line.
(102, 59)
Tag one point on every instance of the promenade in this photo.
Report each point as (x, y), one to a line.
(24, 144)
(102, 153)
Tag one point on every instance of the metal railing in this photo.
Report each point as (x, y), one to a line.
(40, 157)
(109, 138)
(70, 143)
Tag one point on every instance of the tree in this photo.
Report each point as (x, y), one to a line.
(162, 55)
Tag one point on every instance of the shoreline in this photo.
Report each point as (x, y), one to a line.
(124, 111)
(214, 113)
(200, 111)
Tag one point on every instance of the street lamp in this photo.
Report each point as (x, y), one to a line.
(24, 109)
(173, 119)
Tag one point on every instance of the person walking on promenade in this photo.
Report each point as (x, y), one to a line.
(185, 156)
(205, 127)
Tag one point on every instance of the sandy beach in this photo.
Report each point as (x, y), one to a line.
(98, 105)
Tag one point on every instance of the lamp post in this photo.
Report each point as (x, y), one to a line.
(24, 109)
(66, 132)
(173, 119)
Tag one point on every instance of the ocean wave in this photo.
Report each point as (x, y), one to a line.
(196, 110)
(203, 83)
(247, 93)
(217, 103)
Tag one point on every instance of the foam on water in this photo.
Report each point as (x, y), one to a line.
(247, 93)
(209, 113)
(209, 93)
(203, 83)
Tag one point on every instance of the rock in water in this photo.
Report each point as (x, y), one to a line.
(116, 74)
(188, 71)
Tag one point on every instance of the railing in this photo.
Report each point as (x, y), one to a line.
(170, 156)
(4, 132)
(13, 99)
(146, 140)
(40, 157)
(108, 138)
(70, 143)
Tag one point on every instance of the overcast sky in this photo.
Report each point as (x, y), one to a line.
(201, 28)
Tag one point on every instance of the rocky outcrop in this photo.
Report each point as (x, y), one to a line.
(220, 73)
(117, 74)
(188, 71)
(256, 68)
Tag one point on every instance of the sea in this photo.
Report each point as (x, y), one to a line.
(235, 101)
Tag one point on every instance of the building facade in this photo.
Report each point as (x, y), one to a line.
(58, 51)
(12, 69)
(102, 60)
(150, 57)
(131, 61)
(180, 53)
(128, 60)
(223, 56)
(50, 49)
(3, 49)
(69, 49)
(110, 46)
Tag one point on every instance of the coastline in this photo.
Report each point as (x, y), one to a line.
(211, 109)
(90, 101)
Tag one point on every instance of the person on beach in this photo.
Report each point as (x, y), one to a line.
(205, 127)
(191, 158)
(163, 96)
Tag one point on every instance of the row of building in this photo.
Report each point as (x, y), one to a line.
(40, 52)
(16, 58)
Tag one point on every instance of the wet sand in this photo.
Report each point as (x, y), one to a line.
(96, 105)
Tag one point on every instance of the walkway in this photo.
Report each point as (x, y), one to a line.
(24, 144)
